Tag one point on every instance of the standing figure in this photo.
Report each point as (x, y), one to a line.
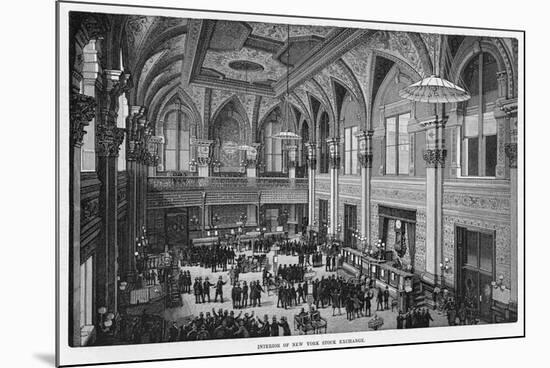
(219, 289)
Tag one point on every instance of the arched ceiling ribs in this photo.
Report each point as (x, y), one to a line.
(302, 96)
(171, 42)
(303, 108)
(419, 43)
(316, 90)
(358, 92)
(324, 84)
(266, 105)
(160, 99)
(339, 91)
(163, 65)
(165, 79)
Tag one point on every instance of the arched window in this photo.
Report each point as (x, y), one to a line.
(350, 122)
(176, 136)
(479, 134)
(323, 136)
(273, 153)
(397, 144)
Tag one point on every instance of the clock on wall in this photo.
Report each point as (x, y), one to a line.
(398, 224)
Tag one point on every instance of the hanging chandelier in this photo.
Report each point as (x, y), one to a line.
(286, 107)
(434, 89)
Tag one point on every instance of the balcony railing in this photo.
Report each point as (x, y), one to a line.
(175, 183)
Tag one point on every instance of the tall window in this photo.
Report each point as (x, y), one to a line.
(176, 148)
(397, 145)
(479, 137)
(350, 151)
(273, 147)
(324, 132)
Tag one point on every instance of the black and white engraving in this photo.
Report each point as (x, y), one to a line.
(234, 179)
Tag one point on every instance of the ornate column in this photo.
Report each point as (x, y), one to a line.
(434, 157)
(204, 156)
(251, 161)
(365, 159)
(108, 140)
(133, 152)
(311, 166)
(334, 166)
(292, 161)
(82, 111)
(509, 109)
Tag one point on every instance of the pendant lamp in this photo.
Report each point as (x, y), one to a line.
(434, 89)
(286, 133)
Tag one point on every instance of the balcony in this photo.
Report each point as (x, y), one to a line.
(186, 191)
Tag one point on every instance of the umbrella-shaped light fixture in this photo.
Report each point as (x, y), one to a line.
(286, 133)
(434, 89)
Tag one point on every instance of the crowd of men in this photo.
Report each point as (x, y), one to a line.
(216, 257)
(224, 324)
(291, 273)
(414, 318)
(296, 247)
(201, 290)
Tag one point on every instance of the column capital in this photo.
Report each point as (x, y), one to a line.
(334, 153)
(82, 111)
(311, 155)
(365, 148)
(204, 156)
(365, 160)
(506, 108)
(109, 139)
(435, 157)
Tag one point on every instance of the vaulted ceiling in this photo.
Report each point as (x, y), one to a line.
(184, 56)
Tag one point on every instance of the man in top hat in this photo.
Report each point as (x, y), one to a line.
(206, 289)
(197, 288)
(219, 289)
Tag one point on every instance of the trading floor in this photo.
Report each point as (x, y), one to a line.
(337, 323)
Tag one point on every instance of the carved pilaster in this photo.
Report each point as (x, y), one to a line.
(502, 80)
(134, 125)
(511, 150)
(435, 157)
(82, 111)
(365, 160)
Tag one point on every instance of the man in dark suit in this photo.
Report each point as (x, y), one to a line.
(206, 289)
(219, 289)
(386, 298)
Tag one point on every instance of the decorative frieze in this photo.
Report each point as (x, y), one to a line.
(435, 157)
(476, 202)
(82, 111)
